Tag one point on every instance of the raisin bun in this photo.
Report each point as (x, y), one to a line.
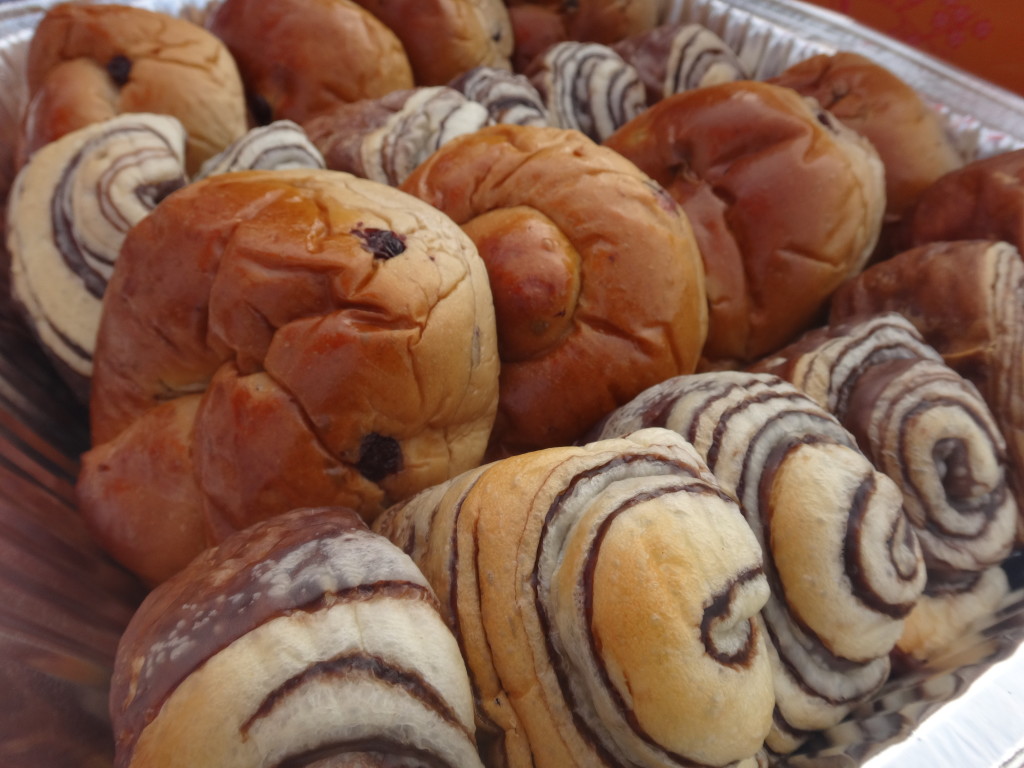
(274, 339)
(598, 285)
(785, 201)
(302, 639)
(89, 62)
(912, 142)
(299, 58)
(444, 38)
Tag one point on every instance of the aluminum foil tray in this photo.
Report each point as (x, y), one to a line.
(63, 604)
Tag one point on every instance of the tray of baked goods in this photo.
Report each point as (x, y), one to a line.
(480, 383)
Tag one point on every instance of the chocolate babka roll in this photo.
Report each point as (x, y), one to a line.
(510, 98)
(384, 139)
(281, 145)
(844, 565)
(927, 428)
(587, 87)
(677, 57)
(69, 210)
(966, 298)
(923, 425)
(302, 640)
(605, 598)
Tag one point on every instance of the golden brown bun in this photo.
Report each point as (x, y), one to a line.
(601, 21)
(87, 63)
(301, 57)
(785, 204)
(444, 38)
(535, 28)
(295, 639)
(966, 298)
(984, 200)
(911, 141)
(606, 599)
(338, 333)
(597, 281)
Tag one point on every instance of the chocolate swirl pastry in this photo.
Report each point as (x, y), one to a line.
(844, 565)
(305, 640)
(677, 57)
(276, 339)
(282, 145)
(88, 62)
(966, 299)
(927, 428)
(68, 212)
(587, 87)
(596, 278)
(605, 600)
(509, 97)
(923, 425)
(385, 139)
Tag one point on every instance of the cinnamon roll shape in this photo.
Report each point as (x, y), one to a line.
(681, 56)
(604, 597)
(844, 565)
(282, 145)
(966, 298)
(303, 640)
(920, 423)
(68, 213)
(385, 139)
(509, 97)
(587, 87)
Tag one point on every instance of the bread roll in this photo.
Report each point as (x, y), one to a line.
(281, 145)
(337, 334)
(302, 639)
(983, 200)
(89, 62)
(587, 87)
(677, 57)
(602, 21)
(928, 429)
(843, 563)
(784, 201)
(444, 38)
(914, 145)
(508, 97)
(605, 599)
(597, 282)
(385, 139)
(69, 210)
(966, 299)
(299, 58)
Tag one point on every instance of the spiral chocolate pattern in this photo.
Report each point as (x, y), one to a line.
(844, 565)
(966, 298)
(920, 423)
(604, 597)
(68, 213)
(300, 639)
(510, 98)
(279, 146)
(587, 87)
(672, 58)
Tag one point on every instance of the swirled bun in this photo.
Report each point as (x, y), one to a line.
(844, 564)
(444, 38)
(912, 143)
(785, 202)
(278, 339)
(89, 62)
(606, 600)
(597, 281)
(69, 210)
(302, 636)
(299, 58)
